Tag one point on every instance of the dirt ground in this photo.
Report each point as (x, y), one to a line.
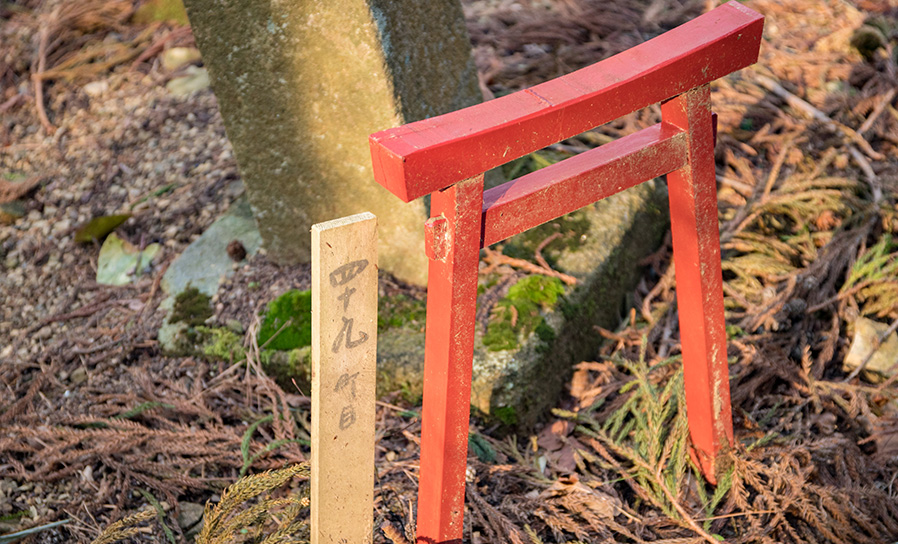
(96, 423)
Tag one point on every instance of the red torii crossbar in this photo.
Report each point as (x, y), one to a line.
(446, 157)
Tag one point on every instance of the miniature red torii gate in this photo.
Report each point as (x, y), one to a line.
(446, 157)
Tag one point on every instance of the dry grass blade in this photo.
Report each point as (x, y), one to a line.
(124, 528)
(222, 519)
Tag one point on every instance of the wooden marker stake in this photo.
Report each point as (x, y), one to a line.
(344, 349)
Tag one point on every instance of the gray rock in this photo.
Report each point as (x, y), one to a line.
(302, 84)
(79, 375)
(191, 514)
(205, 263)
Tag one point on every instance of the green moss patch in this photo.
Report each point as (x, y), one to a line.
(192, 307)
(291, 314)
(520, 313)
(289, 368)
(220, 343)
(506, 414)
(400, 310)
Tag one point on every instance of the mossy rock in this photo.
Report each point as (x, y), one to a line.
(220, 343)
(192, 307)
(521, 313)
(291, 314)
(396, 311)
(289, 369)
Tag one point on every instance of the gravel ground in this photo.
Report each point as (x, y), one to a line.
(73, 351)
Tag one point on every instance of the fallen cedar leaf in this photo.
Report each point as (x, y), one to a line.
(552, 436)
(885, 435)
(120, 262)
(603, 505)
(565, 458)
(579, 383)
(98, 227)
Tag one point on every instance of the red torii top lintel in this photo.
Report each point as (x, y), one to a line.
(419, 158)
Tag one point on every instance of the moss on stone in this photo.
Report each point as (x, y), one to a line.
(291, 314)
(506, 414)
(400, 310)
(572, 228)
(520, 312)
(220, 343)
(192, 307)
(545, 333)
(285, 367)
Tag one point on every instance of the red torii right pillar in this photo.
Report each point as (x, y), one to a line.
(446, 157)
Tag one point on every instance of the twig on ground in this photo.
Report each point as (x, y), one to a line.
(735, 184)
(37, 77)
(94, 349)
(90, 309)
(872, 178)
(838, 297)
(159, 44)
(495, 257)
(542, 245)
(777, 166)
(796, 102)
(9, 104)
(157, 281)
(877, 111)
(802, 105)
(10, 191)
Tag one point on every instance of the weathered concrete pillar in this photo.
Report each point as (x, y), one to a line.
(302, 83)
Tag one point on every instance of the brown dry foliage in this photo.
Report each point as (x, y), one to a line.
(815, 457)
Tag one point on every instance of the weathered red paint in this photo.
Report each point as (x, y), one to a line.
(696, 244)
(555, 190)
(446, 156)
(454, 250)
(422, 157)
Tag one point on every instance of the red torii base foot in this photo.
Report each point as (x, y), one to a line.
(446, 156)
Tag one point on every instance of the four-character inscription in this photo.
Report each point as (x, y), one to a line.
(346, 383)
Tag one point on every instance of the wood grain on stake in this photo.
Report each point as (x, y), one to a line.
(344, 342)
